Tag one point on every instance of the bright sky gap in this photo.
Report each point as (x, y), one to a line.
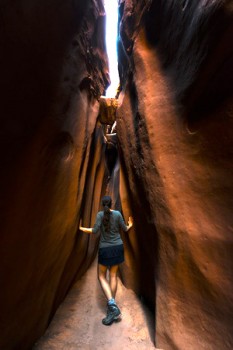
(111, 9)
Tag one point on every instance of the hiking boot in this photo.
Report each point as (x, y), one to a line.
(113, 312)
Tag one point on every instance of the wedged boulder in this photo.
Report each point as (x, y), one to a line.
(53, 70)
(175, 132)
(107, 111)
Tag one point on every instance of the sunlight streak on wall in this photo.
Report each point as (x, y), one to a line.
(111, 8)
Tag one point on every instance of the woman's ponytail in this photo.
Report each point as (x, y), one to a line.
(106, 202)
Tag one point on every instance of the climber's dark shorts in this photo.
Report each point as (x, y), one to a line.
(110, 256)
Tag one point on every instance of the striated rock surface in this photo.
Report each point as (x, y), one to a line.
(53, 69)
(175, 131)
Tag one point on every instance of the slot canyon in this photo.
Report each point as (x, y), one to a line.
(172, 167)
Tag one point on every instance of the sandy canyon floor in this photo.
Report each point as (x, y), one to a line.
(77, 323)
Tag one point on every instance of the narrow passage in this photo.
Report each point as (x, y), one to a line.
(77, 322)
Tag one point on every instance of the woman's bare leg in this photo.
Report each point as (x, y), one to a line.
(102, 271)
(113, 279)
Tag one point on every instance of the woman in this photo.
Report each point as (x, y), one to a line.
(111, 253)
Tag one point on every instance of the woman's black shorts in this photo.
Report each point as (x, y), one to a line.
(110, 256)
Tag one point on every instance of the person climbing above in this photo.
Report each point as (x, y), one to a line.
(111, 152)
(111, 135)
(110, 254)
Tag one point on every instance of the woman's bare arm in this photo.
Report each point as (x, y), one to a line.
(96, 226)
(84, 229)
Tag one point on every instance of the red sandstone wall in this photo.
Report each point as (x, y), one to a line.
(175, 130)
(53, 67)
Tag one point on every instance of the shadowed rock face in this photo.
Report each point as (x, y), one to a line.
(53, 68)
(175, 132)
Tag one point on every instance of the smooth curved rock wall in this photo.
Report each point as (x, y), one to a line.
(53, 69)
(175, 132)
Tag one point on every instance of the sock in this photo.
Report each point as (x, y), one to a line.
(111, 301)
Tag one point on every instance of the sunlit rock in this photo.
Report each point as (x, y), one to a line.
(175, 132)
(107, 111)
